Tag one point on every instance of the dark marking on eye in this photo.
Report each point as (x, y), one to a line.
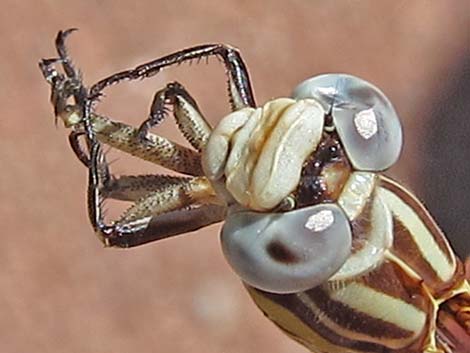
(280, 253)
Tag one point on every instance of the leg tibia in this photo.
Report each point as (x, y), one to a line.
(155, 149)
(187, 114)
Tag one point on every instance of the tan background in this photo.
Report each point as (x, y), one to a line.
(60, 291)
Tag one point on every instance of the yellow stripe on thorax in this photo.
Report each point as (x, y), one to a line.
(381, 306)
(421, 235)
(295, 327)
(371, 306)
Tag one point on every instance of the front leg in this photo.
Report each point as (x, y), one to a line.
(147, 146)
(157, 149)
(179, 206)
(239, 85)
(135, 187)
(168, 225)
(189, 118)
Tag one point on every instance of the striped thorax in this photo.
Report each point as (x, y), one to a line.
(340, 257)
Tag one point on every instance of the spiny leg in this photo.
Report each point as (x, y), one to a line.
(172, 196)
(65, 86)
(190, 120)
(187, 114)
(170, 224)
(72, 76)
(140, 230)
(67, 64)
(136, 187)
(239, 86)
(158, 150)
(130, 187)
(62, 88)
(74, 143)
(154, 148)
(125, 187)
(176, 208)
(144, 188)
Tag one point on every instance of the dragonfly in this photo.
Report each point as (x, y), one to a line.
(339, 256)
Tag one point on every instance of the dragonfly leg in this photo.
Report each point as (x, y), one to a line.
(239, 85)
(188, 117)
(179, 206)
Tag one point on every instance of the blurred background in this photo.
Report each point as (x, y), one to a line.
(61, 291)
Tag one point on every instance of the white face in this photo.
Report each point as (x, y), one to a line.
(255, 159)
(260, 152)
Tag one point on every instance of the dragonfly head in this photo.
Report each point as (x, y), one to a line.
(282, 169)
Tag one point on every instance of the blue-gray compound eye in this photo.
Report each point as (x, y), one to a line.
(287, 252)
(367, 124)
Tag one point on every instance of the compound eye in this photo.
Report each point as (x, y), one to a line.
(287, 252)
(367, 124)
